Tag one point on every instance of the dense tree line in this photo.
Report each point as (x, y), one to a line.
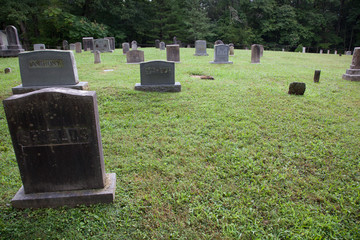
(326, 24)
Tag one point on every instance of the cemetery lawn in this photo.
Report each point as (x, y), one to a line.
(230, 158)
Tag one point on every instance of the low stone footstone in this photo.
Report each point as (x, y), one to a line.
(173, 53)
(135, 56)
(134, 45)
(317, 76)
(72, 46)
(65, 45)
(353, 74)
(10, 46)
(231, 49)
(255, 53)
(7, 70)
(56, 138)
(217, 42)
(39, 47)
(221, 54)
(48, 68)
(162, 46)
(158, 76)
(97, 57)
(157, 43)
(88, 43)
(297, 88)
(200, 48)
(78, 47)
(111, 42)
(125, 47)
(102, 45)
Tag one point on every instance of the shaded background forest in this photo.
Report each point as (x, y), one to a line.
(290, 24)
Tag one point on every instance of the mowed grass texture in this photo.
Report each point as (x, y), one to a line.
(230, 158)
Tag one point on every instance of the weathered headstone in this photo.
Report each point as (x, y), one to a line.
(348, 53)
(65, 45)
(48, 68)
(303, 49)
(125, 47)
(328, 51)
(88, 43)
(7, 70)
(97, 57)
(200, 48)
(175, 40)
(261, 50)
(231, 49)
(158, 76)
(221, 54)
(297, 88)
(321, 51)
(353, 74)
(283, 49)
(134, 56)
(255, 53)
(72, 46)
(217, 42)
(157, 43)
(111, 42)
(162, 46)
(39, 46)
(317, 76)
(10, 46)
(173, 53)
(102, 45)
(78, 47)
(134, 45)
(335, 52)
(57, 143)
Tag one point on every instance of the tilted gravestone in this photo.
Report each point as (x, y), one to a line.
(102, 45)
(57, 143)
(134, 45)
(353, 74)
(221, 54)
(48, 68)
(97, 57)
(125, 47)
(111, 42)
(173, 53)
(158, 76)
(10, 46)
(162, 46)
(297, 88)
(200, 48)
(255, 53)
(134, 56)
(78, 47)
(39, 46)
(88, 43)
(157, 43)
(65, 45)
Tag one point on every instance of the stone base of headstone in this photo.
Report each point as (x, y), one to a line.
(203, 54)
(10, 52)
(67, 198)
(20, 89)
(222, 62)
(159, 88)
(352, 75)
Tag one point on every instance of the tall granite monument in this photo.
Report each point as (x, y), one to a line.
(353, 74)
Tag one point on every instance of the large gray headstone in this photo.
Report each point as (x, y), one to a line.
(173, 53)
(158, 76)
(221, 53)
(40, 69)
(102, 45)
(125, 47)
(353, 74)
(134, 56)
(39, 46)
(162, 46)
(255, 53)
(111, 42)
(200, 48)
(88, 43)
(57, 143)
(10, 47)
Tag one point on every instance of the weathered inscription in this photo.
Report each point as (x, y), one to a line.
(157, 70)
(46, 63)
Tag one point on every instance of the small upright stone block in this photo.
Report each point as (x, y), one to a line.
(125, 48)
(255, 53)
(200, 48)
(88, 43)
(78, 47)
(97, 57)
(134, 45)
(157, 43)
(317, 76)
(297, 88)
(162, 46)
(173, 53)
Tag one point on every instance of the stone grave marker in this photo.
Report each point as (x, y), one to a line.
(10, 45)
(303, 49)
(348, 53)
(158, 76)
(321, 51)
(97, 57)
(125, 47)
(111, 42)
(353, 74)
(102, 45)
(200, 48)
(173, 53)
(328, 51)
(162, 46)
(297, 88)
(48, 68)
(134, 45)
(56, 138)
(65, 45)
(88, 43)
(78, 47)
(157, 43)
(335, 52)
(72, 46)
(255, 53)
(135, 56)
(231, 49)
(283, 49)
(39, 47)
(261, 50)
(221, 54)
(317, 76)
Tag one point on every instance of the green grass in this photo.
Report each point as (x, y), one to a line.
(233, 158)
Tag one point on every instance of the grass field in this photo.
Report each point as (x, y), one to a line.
(230, 158)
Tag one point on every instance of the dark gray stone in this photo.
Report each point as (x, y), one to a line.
(111, 42)
(157, 43)
(125, 47)
(135, 56)
(297, 88)
(88, 43)
(65, 45)
(200, 48)
(97, 57)
(173, 53)
(255, 53)
(39, 46)
(221, 53)
(353, 74)
(158, 76)
(12, 46)
(162, 46)
(57, 143)
(317, 76)
(102, 45)
(7, 70)
(78, 48)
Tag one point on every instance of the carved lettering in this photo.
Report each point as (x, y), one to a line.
(46, 63)
(157, 70)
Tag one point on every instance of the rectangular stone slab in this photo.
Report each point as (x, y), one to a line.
(157, 73)
(56, 137)
(48, 68)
